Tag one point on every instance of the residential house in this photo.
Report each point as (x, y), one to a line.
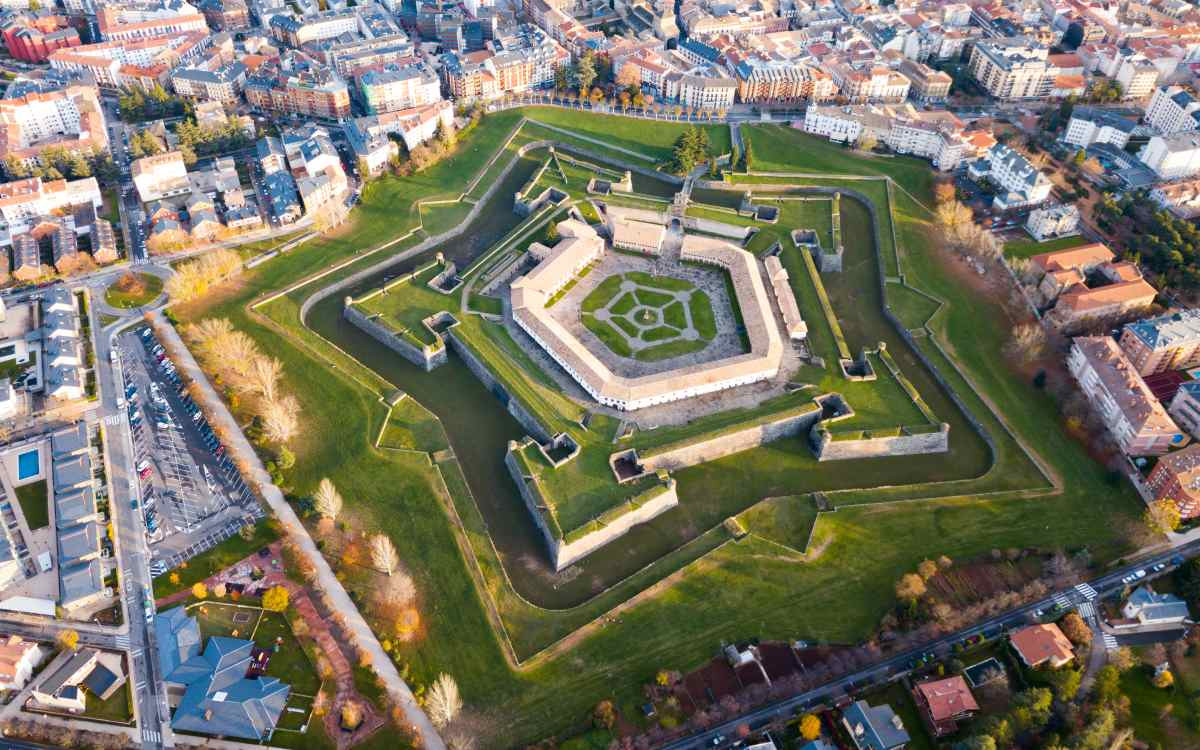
(160, 176)
(1147, 607)
(1086, 284)
(213, 693)
(1042, 644)
(1018, 183)
(944, 703)
(1053, 221)
(874, 727)
(18, 657)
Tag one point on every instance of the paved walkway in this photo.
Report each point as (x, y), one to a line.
(326, 581)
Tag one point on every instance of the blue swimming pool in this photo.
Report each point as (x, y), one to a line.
(28, 465)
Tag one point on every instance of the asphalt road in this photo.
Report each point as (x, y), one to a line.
(132, 553)
(896, 666)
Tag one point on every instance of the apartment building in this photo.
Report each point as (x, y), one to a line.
(127, 22)
(1176, 476)
(1087, 283)
(928, 85)
(781, 82)
(1090, 125)
(1011, 69)
(1173, 110)
(868, 84)
(390, 88)
(1167, 342)
(221, 84)
(31, 37)
(369, 136)
(316, 166)
(141, 62)
(296, 31)
(295, 84)
(1053, 221)
(1018, 182)
(160, 176)
(225, 15)
(1133, 417)
(1172, 156)
(937, 136)
(22, 202)
(68, 117)
(521, 61)
(1137, 76)
(1181, 198)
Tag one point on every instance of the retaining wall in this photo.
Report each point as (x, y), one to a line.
(734, 442)
(828, 449)
(534, 427)
(426, 357)
(564, 554)
(718, 228)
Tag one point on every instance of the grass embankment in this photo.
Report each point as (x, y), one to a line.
(839, 595)
(1027, 248)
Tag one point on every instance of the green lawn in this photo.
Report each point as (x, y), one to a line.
(151, 288)
(117, 708)
(1163, 717)
(411, 427)
(225, 619)
(35, 504)
(1029, 247)
(839, 595)
(216, 559)
(290, 663)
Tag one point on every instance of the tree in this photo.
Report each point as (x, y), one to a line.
(978, 742)
(867, 140)
(1122, 659)
(68, 639)
(281, 419)
(748, 156)
(1107, 688)
(264, 375)
(442, 701)
(1027, 343)
(352, 715)
(943, 191)
(327, 501)
(199, 590)
(219, 590)
(275, 599)
(1065, 682)
(604, 715)
(585, 70)
(1162, 516)
(397, 593)
(1075, 629)
(383, 554)
(1164, 679)
(927, 569)
(810, 727)
(910, 587)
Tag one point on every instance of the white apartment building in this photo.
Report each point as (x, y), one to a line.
(1172, 156)
(1137, 76)
(396, 87)
(143, 62)
(70, 117)
(1090, 125)
(1018, 183)
(160, 176)
(936, 136)
(1181, 197)
(700, 91)
(1010, 69)
(23, 201)
(126, 22)
(1172, 110)
(840, 124)
(1053, 221)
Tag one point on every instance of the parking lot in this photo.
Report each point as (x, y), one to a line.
(189, 494)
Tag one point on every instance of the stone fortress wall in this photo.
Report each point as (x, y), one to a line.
(719, 446)
(426, 357)
(563, 554)
(906, 443)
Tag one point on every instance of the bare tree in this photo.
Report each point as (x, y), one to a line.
(1028, 342)
(442, 701)
(383, 554)
(327, 501)
(281, 419)
(398, 592)
(264, 375)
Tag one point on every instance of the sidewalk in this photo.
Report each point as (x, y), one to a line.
(339, 600)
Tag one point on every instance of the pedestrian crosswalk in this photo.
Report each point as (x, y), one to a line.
(1110, 642)
(112, 419)
(1088, 592)
(151, 736)
(1062, 601)
(1086, 610)
(122, 641)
